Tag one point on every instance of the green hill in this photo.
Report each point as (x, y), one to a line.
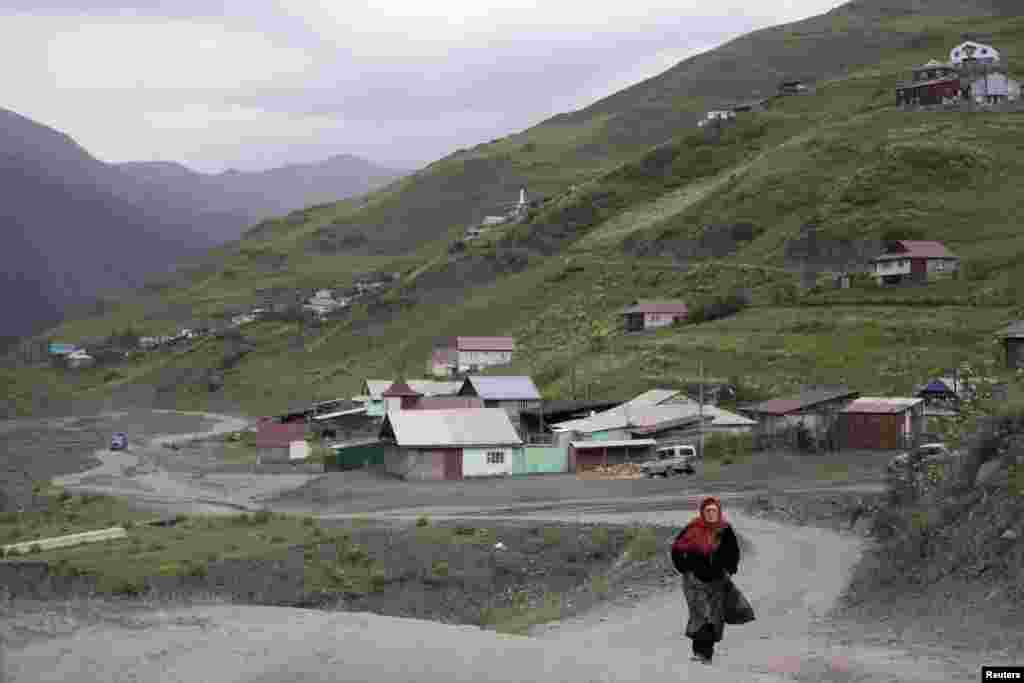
(644, 204)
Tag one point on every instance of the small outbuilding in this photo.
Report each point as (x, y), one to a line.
(587, 455)
(1012, 338)
(814, 410)
(648, 315)
(881, 423)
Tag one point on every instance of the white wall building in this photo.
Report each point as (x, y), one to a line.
(971, 50)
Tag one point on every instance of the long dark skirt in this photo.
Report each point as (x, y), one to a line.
(705, 602)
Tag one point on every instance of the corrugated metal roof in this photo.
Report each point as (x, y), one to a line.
(805, 399)
(635, 443)
(452, 428)
(653, 397)
(917, 249)
(653, 418)
(877, 405)
(504, 387)
(674, 307)
(341, 413)
(427, 387)
(485, 343)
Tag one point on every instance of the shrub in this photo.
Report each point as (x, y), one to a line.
(440, 568)
(643, 546)
(718, 309)
(262, 516)
(278, 539)
(423, 521)
(129, 587)
(551, 535)
(308, 521)
(180, 519)
(600, 536)
(599, 585)
(35, 549)
(464, 531)
(156, 547)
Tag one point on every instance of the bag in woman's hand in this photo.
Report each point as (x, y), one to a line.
(738, 609)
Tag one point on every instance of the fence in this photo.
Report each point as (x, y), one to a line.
(541, 460)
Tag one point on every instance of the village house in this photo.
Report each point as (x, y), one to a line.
(974, 71)
(717, 116)
(914, 261)
(667, 416)
(536, 421)
(343, 419)
(931, 83)
(793, 87)
(323, 303)
(877, 423)
(449, 444)
(377, 405)
(470, 354)
(512, 394)
(815, 410)
(280, 442)
(1012, 338)
(78, 359)
(648, 315)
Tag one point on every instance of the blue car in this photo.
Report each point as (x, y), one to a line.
(119, 442)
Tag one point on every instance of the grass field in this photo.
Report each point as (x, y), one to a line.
(844, 159)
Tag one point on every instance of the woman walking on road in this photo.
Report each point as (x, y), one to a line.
(706, 553)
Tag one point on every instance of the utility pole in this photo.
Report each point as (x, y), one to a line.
(700, 425)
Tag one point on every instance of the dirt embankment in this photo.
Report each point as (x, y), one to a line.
(448, 572)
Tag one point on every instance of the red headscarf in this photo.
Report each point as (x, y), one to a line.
(700, 535)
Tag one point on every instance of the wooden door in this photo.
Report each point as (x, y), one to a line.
(453, 464)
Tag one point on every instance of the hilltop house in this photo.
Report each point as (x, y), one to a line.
(932, 83)
(814, 410)
(717, 115)
(647, 315)
(876, 423)
(470, 354)
(974, 71)
(449, 444)
(914, 261)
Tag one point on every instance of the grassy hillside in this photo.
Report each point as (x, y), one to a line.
(695, 216)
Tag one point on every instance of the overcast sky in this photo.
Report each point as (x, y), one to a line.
(253, 84)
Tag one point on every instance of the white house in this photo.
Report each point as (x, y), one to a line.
(450, 444)
(995, 87)
(971, 50)
(717, 115)
(470, 354)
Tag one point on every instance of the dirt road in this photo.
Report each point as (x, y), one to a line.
(138, 474)
(792, 576)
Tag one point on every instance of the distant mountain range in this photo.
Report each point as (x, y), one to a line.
(74, 227)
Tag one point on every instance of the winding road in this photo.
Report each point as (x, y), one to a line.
(792, 576)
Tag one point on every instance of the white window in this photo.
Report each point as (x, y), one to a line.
(939, 265)
(495, 457)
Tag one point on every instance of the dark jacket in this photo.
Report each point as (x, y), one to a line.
(725, 558)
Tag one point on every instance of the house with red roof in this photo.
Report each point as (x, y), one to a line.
(470, 354)
(648, 315)
(814, 410)
(914, 261)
